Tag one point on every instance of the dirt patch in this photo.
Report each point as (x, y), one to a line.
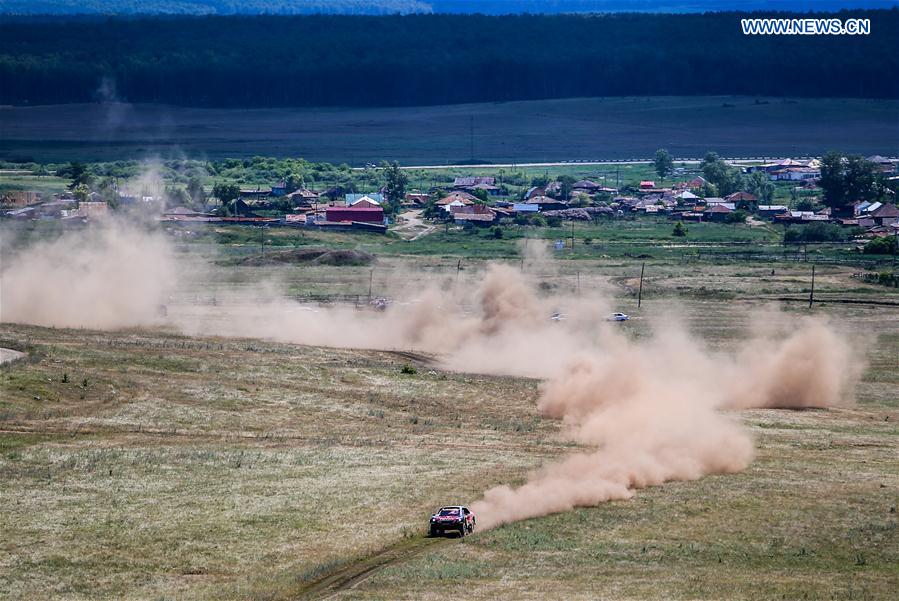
(8, 355)
(320, 256)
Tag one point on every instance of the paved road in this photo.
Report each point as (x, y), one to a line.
(692, 161)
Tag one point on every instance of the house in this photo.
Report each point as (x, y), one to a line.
(279, 189)
(456, 199)
(416, 199)
(794, 174)
(525, 207)
(351, 214)
(886, 214)
(885, 165)
(363, 202)
(552, 189)
(477, 214)
(719, 211)
(686, 197)
(741, 197)
(465, 183)
(490, 190)
(697, 183)
(586, 186)
(647, 185)
(545, 203)
(374, 197)
(535, 191)
(242, 209)
(254, 194)
(772, 210)
(302, 197)
(715, 200)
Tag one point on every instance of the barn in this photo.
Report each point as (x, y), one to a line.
(349, 214)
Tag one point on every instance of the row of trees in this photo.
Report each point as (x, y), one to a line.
(723, 179)
(338, 60)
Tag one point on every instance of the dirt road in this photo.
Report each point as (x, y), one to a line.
(349, 577)
(413, 226)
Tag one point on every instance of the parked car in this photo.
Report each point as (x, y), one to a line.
(453, 518)
(619, 317)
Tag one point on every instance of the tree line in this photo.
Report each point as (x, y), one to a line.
(327, 60)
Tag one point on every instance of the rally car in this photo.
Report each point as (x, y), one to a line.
(454, 518)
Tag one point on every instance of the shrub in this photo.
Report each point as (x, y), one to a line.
(497, 232)
(539, 221)
(408, 369)
(881, 246)
(815, 232)
(679, 230)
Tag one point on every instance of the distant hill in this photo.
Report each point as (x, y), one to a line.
(385, 7)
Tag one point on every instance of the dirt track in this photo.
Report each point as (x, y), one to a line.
(348, 577)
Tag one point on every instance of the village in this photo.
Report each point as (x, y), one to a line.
(787, 191)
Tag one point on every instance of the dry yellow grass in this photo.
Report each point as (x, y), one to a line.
(143, 465)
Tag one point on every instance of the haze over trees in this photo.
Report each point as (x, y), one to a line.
(322, 60)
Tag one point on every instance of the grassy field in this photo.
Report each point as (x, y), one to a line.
(141, 464)
(581, 128)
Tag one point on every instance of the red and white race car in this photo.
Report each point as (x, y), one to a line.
(453, 518)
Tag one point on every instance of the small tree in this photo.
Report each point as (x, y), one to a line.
(679, 230)
(759, 185)
(497, 232)
(566, 182)
(79, 174)
(196, 192)
(663, 163)
(226, 193)
(395, 184)
(885, 245)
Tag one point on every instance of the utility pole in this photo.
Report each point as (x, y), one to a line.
(811, 295)
(572, 236)
(371, 275)
(640, 292)
(579, 282)
(262, 240)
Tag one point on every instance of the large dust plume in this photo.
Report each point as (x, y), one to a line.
(652, 412)
(647, 409)
(101, 277)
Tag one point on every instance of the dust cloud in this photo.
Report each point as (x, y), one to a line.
(648, 409)
(101, 277)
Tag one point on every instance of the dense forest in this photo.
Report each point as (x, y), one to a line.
(323, 60)
(386, 7)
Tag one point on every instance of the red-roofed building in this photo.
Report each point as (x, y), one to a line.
(349, 214)
(647, 185)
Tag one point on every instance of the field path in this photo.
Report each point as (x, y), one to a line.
(348, 577)
(413, 226)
